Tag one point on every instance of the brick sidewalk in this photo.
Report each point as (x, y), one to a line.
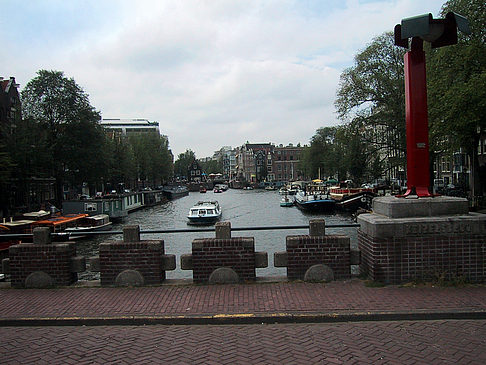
(408, 342)
(365, 335)
(227, 303)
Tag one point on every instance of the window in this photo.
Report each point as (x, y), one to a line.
(90, 207)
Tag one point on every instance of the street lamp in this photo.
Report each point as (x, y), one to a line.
(439, 32)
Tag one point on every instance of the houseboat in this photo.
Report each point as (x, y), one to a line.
(174, 192)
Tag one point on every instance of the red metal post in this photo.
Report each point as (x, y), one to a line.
(418, 175)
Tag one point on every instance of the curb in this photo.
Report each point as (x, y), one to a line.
(246, 318)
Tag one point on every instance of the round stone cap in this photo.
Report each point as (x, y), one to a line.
(224, 275)
(319, 272)
(129, 277)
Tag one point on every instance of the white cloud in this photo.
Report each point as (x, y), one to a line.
(212, 73)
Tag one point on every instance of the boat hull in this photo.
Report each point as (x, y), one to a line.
(203, 220)
(316, 205)
(356, 201)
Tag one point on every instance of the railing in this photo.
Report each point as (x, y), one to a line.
(184, 230)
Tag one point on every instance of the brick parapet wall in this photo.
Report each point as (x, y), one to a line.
(142, 256)
(209, 254)
(304, 251)
(52, 259)
(396, 260)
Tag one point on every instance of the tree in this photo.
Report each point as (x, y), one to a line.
(153, 159)
(323, 156)
(457, 87)
(72, 135)
(212, 166)
(371, 93)
(183, 162)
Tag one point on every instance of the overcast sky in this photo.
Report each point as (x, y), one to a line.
(212, 73)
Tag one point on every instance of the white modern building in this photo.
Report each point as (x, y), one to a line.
(128, 126)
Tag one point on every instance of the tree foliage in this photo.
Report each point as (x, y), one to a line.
(69, 126)
(371, 99)
(457, 86)
(183, 162)
(152, 157)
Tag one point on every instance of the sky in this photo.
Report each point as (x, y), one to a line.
(213, 73)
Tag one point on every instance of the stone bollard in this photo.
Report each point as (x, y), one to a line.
(223, 230)
(131, 233)
(42, 236)
(317, 227)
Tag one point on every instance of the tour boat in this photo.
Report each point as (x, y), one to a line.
(204, 212)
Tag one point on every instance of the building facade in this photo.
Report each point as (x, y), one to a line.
(265, 162)
(195, 173)
(10, 107)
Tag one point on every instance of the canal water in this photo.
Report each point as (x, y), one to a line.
(243, 208)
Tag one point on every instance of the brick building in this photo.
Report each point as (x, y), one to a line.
(266, 162)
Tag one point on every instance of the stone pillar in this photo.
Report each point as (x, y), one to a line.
(317, 227)
(131, 233)
(425, 238)
(42, 235)
(223, 230)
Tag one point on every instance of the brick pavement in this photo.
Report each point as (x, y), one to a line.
(359, 339)
(406, 342)
(296, 299)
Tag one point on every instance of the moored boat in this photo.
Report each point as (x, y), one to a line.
(59, 224)
(22, 226)
(352, 199)
(174, 192)
(36, 216)
(204, 212)
(99, 222)
(315, 198)
(286, 201)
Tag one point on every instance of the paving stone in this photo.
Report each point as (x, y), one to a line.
(265, 344)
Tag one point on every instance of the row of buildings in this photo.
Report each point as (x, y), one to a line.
(258, 162)
(251, 162)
